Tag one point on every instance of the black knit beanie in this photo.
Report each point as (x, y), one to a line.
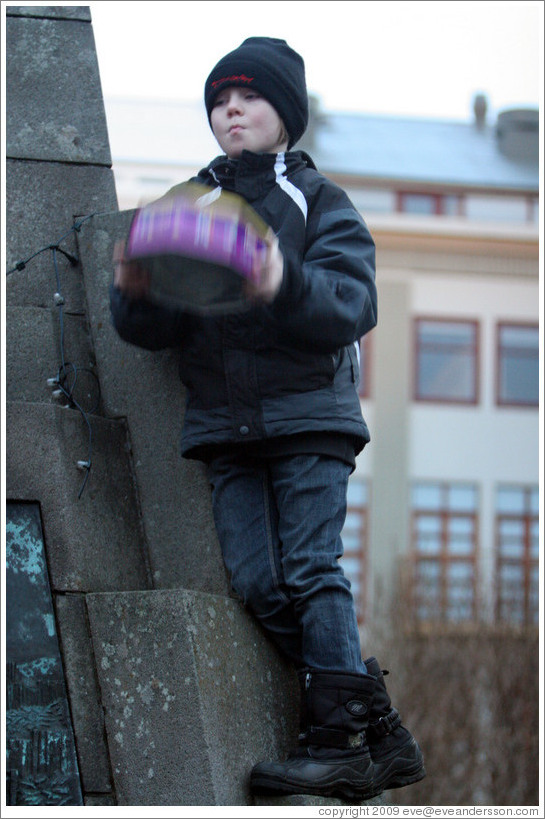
(274, 70)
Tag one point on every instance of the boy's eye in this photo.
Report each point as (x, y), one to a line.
(223, 99)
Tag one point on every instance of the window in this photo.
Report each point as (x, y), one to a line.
(444, 551)
(446, 360)
(354, 535)
(430, 204)
(518, 365)
(517, 554)
(424, 204)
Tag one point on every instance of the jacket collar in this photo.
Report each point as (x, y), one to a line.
(252, 175)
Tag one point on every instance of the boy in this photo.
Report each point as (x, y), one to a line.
(273, 410)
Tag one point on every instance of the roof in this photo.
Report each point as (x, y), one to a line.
(385, 148)
(419, 150)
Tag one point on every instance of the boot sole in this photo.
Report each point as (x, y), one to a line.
(399, 774)
(342, 789)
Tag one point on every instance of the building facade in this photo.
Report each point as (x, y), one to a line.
(451, 475)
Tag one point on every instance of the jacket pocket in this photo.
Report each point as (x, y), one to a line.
(282, 372)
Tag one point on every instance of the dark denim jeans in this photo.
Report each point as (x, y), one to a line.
(279, 522)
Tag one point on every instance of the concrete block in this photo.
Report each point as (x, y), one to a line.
(33, 355)
(83, 693)
(43, 200)
(99, 799)
(194, 696)
(53, 62)
(95, 543)
(145, 388)
(51, 12)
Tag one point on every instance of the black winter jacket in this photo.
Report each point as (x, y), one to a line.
(291, 366)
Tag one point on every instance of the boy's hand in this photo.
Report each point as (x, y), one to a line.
(268, 272)
(131, 278)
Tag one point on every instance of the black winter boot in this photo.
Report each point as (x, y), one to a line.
(332, 757)
(396, 756)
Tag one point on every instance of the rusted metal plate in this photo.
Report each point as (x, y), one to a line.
(41, 764)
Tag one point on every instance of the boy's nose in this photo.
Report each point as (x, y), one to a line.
(234, 104)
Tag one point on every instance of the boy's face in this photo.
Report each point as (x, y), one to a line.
(243, 119)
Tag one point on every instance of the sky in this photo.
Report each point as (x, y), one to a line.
(412, 58)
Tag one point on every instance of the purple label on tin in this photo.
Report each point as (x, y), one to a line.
(199, 233)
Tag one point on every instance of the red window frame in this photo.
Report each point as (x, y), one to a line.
(444, 558)
(418, 346)
(438, 201)
(528, 563)
(502, 402)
